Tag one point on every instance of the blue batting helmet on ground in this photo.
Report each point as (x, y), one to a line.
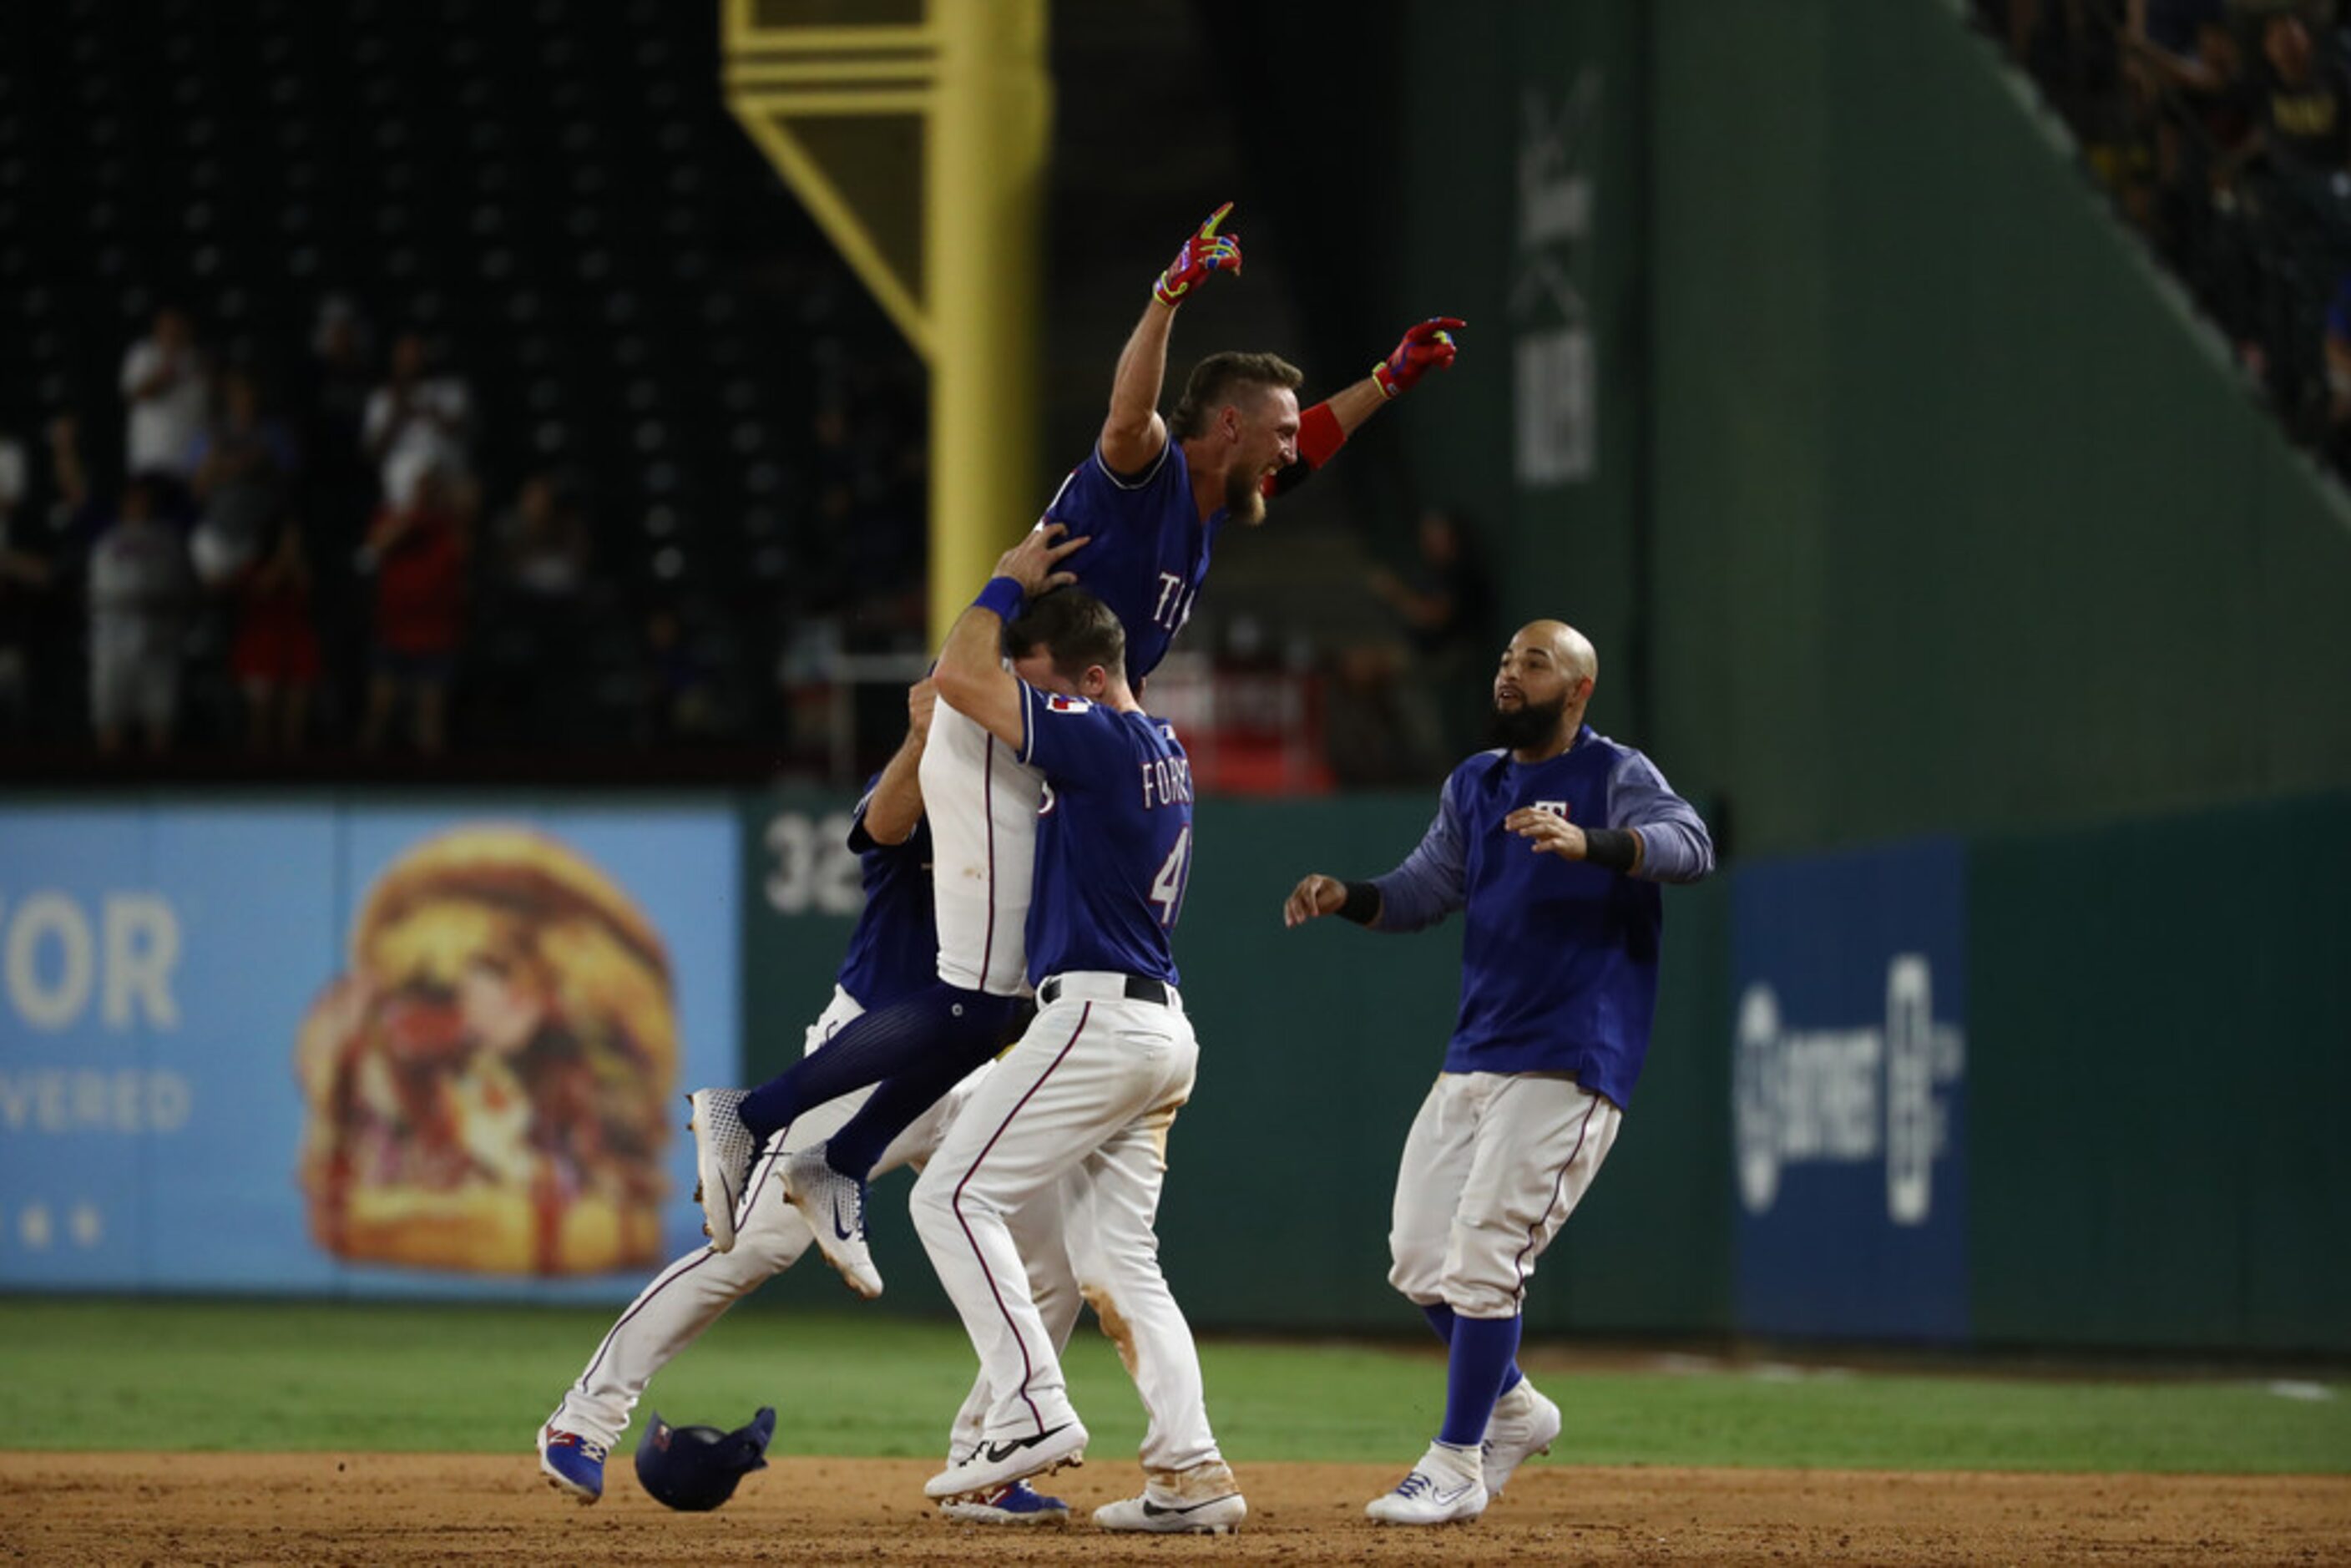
(696, 1468)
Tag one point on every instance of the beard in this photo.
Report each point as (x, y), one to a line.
(1244, 500)
(1529, 725)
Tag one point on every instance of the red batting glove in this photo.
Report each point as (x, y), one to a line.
(1203, 253)
(1427, 345)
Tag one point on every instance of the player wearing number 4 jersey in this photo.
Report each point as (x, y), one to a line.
(1551, 847)
(1094, 1086)
(1150, 499)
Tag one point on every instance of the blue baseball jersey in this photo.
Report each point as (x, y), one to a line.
(894, 950)
(1113, 838)
(1150, 550)
(1559, 958)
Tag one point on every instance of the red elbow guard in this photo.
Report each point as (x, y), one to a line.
(1319, 436)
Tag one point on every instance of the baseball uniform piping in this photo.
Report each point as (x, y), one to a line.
(1028, 1367)
(676, 1272)
(1591, 1103)
(988, 813)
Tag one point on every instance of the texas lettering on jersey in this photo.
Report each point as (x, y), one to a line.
(1174, 606)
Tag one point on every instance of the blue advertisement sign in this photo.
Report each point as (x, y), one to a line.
(349, 1050)
(1849, 1111)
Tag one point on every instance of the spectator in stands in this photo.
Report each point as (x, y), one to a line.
(681, 689)
(417, 552)
(243, 470)
(1446, 602)
(24, 578)
(534, 626)
(137, 589)
(166, 391)
(276, 655)
(337, 489)
(2189, 78)
(2300, 104)
(542, 543)
(139, 592)
(416, 421)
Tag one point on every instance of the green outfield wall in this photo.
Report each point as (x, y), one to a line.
(1963, 521)
(2161, 1051)
(1902, 492)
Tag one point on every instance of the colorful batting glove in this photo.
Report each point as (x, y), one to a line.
(1427, 345)
(1203, 253)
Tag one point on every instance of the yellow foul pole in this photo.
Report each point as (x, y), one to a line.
(985, 171)
(948, 242)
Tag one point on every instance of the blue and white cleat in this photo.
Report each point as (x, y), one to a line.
(834, 1207)
(572, 1464)
(1014, 1503)
(724, 1154)
(1447, 1486)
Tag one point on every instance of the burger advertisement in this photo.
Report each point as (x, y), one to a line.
(359, 1052)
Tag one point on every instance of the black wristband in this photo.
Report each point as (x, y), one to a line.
(1611, 847)
(1363, 905)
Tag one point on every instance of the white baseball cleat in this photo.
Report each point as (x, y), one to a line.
(1523, 1424)
(834, 1207)
(1445, 1485)
(1000, 1460)
(1203, 1500)
(723, 1153)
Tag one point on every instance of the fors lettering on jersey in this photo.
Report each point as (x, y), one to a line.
(1166, 782)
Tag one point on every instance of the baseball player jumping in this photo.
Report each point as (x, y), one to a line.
(1151, 501)
(1553, 846)
(1093, 1087)
(891, 955)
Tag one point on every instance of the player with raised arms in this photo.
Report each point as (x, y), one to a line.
(1553, 846)
(1151, 500)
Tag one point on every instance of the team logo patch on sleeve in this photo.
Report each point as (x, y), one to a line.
(1060, 704)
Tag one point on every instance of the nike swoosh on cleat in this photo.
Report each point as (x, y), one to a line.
(838, 1229)
(1456, 1495)
(999, 1452)
(1154, 1511)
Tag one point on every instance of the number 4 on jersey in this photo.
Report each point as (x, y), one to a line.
(1167, 887)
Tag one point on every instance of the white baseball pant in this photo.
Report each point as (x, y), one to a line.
(1089, 1091)
(983, 806)
(1494, 1165)
(696, 1289)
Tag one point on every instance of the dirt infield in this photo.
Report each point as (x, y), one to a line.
(173, 1509)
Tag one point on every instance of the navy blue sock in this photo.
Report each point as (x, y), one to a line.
(900, 1100)
(871, 1048)
(1483, 1350)
(1440, 1318)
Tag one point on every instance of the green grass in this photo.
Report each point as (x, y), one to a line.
(97, 1374)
